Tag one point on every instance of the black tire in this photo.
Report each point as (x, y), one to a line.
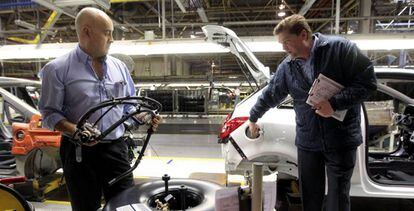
(8, 167)
(5, 146)
(6, 157)
(8, 162)
(141, 193)
(38, 163)
(4, 152)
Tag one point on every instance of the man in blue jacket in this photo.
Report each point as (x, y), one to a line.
(322, 141)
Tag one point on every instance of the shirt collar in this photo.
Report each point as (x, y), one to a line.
(84, 57)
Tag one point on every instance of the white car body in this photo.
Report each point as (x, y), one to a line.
(275, 146)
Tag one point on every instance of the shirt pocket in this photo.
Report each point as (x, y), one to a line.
(115, 89)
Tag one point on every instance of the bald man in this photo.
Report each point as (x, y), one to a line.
(75, 82)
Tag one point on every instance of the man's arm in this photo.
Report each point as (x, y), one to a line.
(156, 120)
(66, 127)
(51, 98)
(271, 96)
(359, 70)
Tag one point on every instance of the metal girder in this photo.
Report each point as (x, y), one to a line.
(342, 10)
(181, 6)
(51, 6)
(126, 1)
(70, 3)
(42, 35)
(150, 7)
(306, 6)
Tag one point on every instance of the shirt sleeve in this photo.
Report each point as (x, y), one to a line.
(51, 98)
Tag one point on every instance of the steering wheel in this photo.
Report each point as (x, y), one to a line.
(143, 105)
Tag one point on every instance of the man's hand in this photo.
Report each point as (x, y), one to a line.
(145, 118)
(254, 129)
(88, 135)
(156, 120)
(324, 109)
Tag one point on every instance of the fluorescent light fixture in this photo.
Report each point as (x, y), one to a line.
(202, 14)
(190, 46)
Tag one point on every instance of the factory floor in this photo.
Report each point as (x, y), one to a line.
(196, 156)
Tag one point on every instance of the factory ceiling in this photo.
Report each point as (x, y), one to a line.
(52, 21)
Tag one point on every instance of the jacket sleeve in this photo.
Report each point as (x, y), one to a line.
(271, 96)
(359, 71)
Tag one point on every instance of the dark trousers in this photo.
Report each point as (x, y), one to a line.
(87, 180)
(339, 167)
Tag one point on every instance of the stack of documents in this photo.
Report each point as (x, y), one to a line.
(323, 88)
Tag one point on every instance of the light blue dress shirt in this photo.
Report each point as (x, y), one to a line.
(70, 87)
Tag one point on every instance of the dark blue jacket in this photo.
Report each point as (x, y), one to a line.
(340, 60)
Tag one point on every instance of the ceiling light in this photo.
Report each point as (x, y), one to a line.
(281, 13)
(213, 65)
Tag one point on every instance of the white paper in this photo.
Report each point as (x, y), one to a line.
(323, 88)
(227, 199)
(134, 207)
(269, 196)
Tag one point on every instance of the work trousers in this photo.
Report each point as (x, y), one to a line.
(88, 179)
(339, 166)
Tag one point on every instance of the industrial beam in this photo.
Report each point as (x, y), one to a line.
(54, 7)
(181, 6)
(305, 8)
(40, 37)
(126, 1)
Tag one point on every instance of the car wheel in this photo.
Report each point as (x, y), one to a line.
(200, 195)
(5, 146)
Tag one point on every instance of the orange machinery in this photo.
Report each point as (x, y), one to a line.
(28, 136)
